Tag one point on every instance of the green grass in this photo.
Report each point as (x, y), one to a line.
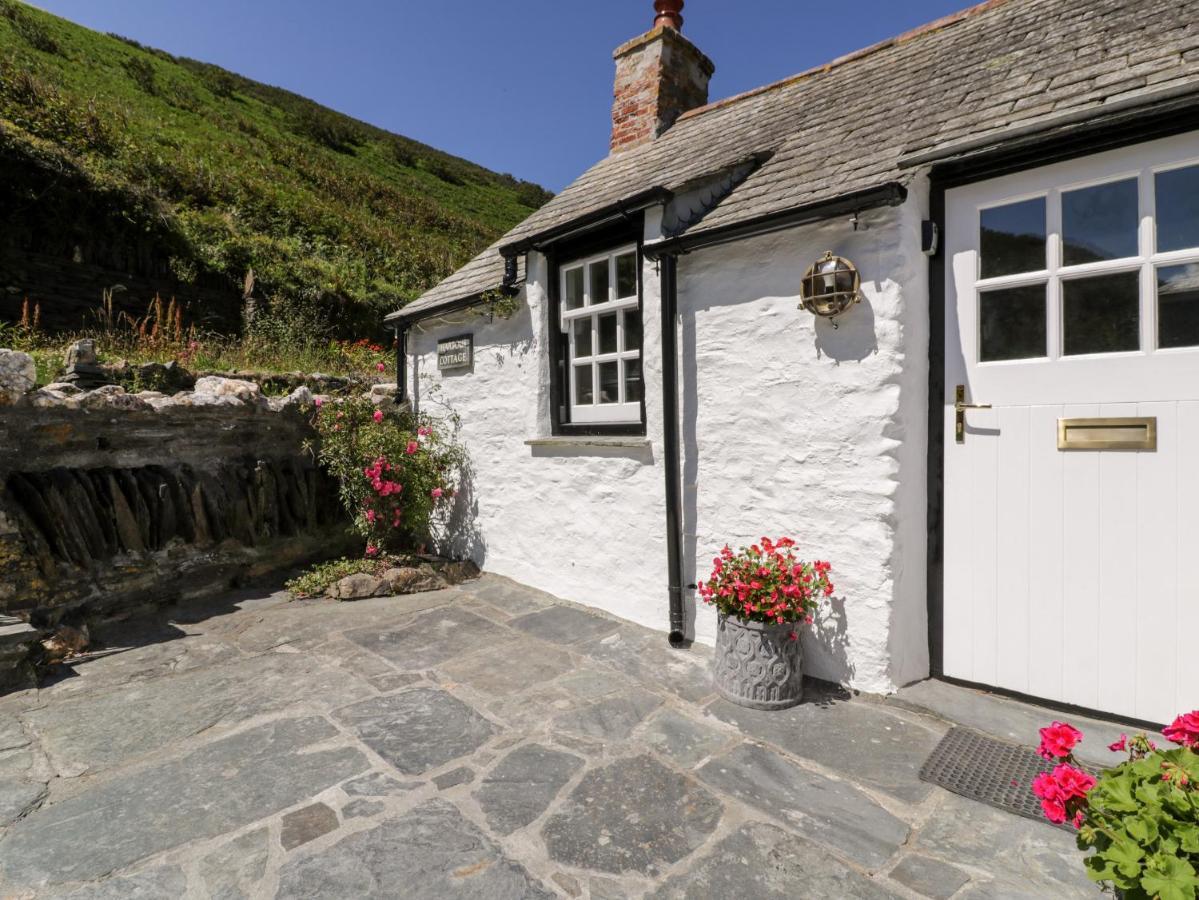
(224, 174)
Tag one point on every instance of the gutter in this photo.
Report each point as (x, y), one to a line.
(613, 211)
(889, 194)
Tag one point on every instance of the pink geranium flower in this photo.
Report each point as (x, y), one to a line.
(1184, 730)
(1120, 745)
(1073, 782)
(411, 448)
(319, 401)
(437, 492)
(1057, 740)
(381, 367)
(378, 416)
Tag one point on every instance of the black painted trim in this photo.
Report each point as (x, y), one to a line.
(624, 209)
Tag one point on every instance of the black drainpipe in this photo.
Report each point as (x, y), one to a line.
(670, 429)
(401, 364)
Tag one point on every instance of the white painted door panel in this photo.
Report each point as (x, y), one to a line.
(1072, 576)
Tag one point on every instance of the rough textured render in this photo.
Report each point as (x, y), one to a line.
(659, 76)
(840, 468)
(846, 126)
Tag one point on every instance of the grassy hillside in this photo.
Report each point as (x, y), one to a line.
(226, 175)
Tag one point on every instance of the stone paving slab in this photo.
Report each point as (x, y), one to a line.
(483, 741)
(871, 743)
(217, 788)
(417, 730)
(762, 862)
(432, 853)
(833, 813)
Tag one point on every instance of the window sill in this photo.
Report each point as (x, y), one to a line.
(582, 440)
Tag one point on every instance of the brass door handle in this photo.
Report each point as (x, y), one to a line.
(959, 412)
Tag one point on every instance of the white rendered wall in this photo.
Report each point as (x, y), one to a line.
(792, 427)
(584, 523)
(788, 427)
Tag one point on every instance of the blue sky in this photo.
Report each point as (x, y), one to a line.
(520, 86)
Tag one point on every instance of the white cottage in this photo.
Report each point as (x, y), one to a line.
(997, 447)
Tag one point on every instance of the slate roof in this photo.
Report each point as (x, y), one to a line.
(848, 125)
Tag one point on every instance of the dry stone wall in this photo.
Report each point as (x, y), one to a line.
(112, 502)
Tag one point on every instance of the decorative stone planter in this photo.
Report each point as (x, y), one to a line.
(756, 664)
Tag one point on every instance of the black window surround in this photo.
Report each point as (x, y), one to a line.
(624, 234)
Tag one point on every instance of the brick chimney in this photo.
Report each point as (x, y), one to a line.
(659, 76)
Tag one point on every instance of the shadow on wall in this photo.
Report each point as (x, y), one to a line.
(459, 535)
(851, 337)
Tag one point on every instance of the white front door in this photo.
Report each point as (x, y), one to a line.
(1072, 292)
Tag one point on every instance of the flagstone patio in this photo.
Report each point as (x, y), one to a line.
(486, 741)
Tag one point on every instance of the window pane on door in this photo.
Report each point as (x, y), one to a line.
(582, 337)
(607, 333)
(609, 383)
(584, 389)
(1099, 222)
(1012, 323)
(599, 282)
(1177, 209)
(1101, 314)
(626, 275)
(632, 381)
(574, 288)
(1012, 238)
(632, 330)
(1178, 306)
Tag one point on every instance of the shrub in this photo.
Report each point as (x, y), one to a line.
(314, 581)
(1140, 819)
(32, 31)
(766, 583)
(142, 73)
(394, 471)
(329, 129)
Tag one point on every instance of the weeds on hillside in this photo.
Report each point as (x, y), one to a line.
(283, 337)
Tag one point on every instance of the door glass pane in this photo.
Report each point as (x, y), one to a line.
(1099, 222)
(607, 333)
(1101, 314)
(1012, 238)
(584, 390)
(632, 381)
(1178, 306)
(626, 275)
(1012, 323)
(609, 383)
(599, 282)
(574, 288)
(632, 329)
(582, 329)
(1177, 209)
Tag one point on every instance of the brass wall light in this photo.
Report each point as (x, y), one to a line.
(830, 286)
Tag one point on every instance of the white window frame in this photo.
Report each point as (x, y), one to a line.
(623, 411)
(1147, 261)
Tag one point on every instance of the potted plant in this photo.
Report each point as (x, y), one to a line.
(1140, 819)
(763, 595)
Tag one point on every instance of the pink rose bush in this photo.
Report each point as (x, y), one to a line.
(396, 472)
(1140, 818)
(766, 582)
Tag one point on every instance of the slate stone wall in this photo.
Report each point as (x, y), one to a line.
(110, 509)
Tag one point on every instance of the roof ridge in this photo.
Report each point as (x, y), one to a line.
(904, 37)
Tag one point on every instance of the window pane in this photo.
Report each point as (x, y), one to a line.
(574, 288)
(584, 390)
(582, 329)
(1012, 238)
(632, 381)
(1012, 323)
(626, 275)
(1101, 314)
(632, 329)
(1178, 306)
(1178, 209)
(607, 333)
(1099, 222)
(599, 281)
(609, 383)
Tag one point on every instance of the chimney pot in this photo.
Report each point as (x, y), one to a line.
(670, 14)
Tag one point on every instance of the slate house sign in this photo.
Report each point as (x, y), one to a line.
(456, 352)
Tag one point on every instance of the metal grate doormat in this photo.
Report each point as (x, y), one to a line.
(988, 770)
